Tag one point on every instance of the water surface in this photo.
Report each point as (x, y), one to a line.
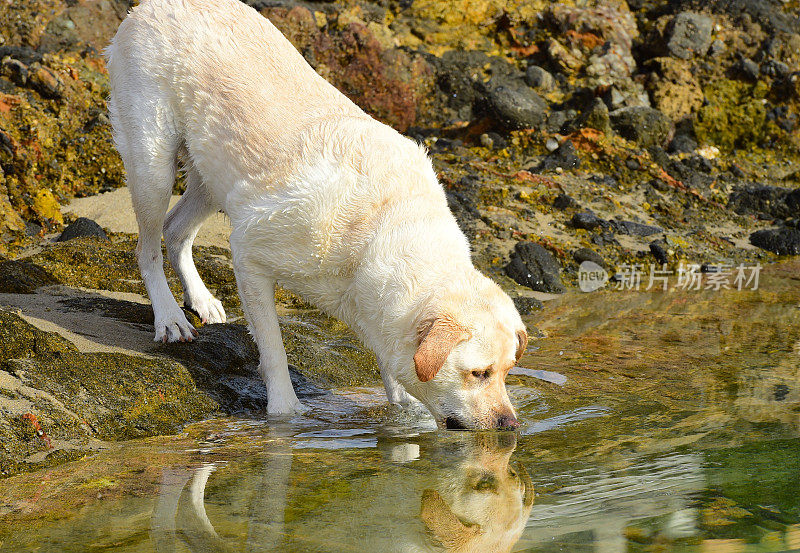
(676, 430)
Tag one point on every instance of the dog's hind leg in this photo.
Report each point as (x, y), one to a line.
(180, 229)
(144, 131)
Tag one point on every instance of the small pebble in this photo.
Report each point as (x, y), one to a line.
(551, 144)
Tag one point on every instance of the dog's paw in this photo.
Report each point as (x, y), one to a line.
(284, 407)
(209, 309)
(173, 327)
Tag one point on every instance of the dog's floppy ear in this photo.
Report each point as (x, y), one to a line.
(522, 342)
(436, 337)
(445, 526)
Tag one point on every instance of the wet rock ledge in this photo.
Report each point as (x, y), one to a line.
(78, 367)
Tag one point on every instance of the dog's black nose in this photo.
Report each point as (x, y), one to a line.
(452, 423)
(507, 422)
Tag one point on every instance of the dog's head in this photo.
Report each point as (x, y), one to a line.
(465, 345)
(484, 504)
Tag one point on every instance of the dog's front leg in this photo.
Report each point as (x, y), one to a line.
(395, 392)
(257, 293)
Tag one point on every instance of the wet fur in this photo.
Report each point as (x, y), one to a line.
(322, 199)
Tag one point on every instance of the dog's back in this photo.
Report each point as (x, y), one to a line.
(225, 79)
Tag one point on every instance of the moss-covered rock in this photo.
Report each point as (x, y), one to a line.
(54, 399)
(23, 277)
(734, 115)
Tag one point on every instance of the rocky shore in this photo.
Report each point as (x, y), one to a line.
(622, 133)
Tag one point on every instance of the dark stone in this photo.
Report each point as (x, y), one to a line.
(603, 239)
(749, 69)
(646, 126)
(515, 106)
(775, 69)
(768, 13)
(562, 201)
(32, 228)
(22, 277)
(16, 71)
(780, 391)
(587, 220)
(526, 305)
(782, 241)
(83, 227)
(635, 229)
(22, 53)
(557, 121)
(535, 267)
(539, 78)
(766, 202)
(460, 74)
(659, 251)
(565, 156)
(783, 117)
(632, 164)
(689, 34)
(498, 142)
(585, 254)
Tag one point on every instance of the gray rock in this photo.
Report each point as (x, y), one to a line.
(517, 107)
(775, 69)
(647, 127)
(556, 121)
(565, 156)
(585, 254)
(82, 227)
(782, 241)
(587, 220)
(562, 201)
(749, 69)
(689, 34)
(635, 229)
(717, 47)
(535, 267)
(683, 144)
(540, 78)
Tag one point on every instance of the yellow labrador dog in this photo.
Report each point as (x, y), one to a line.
(322, 199)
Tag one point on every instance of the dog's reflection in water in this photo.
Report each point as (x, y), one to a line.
(461, 495)
(482, 503)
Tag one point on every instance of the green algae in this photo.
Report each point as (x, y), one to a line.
(55, 398)
(734, 116)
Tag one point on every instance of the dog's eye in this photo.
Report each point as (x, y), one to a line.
(487, 483)
(482, 374)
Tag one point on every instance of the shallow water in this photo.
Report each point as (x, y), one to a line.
(676, 429)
